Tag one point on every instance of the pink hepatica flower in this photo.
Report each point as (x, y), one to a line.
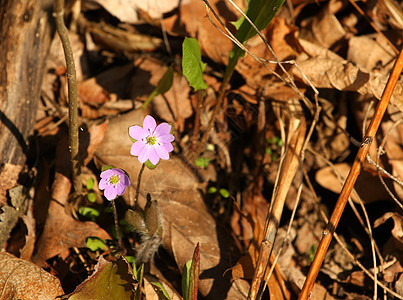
(152, 142)
(114, 182)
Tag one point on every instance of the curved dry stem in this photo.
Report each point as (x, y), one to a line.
(72, 91)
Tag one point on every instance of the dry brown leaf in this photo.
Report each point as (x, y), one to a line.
(61, 230)
(377, 56)
(174, 106)
(397, 230)
(22, 280)
(191, 21)
(126, 10)
(324, 28)
(394, 152)
(368, 186)
(9, 174)
(344, 76)
(282, 39)
(186, 220)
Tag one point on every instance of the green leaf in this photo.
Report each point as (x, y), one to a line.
(91, 197)
(161, 291)
(224, 193)
(186, 280)
(163, 86)
(110, 280)
(94, 244)
(88, 212)
(150, 165)
(202, 162)
(130, 259)
(139, 278)
(106, 167)
(212, 190)
(260, 12)
(90, 183)
(192, 65)
(190, 276)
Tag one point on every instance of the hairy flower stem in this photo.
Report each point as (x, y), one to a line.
(136, 200)
(72, 91)
(115, 217)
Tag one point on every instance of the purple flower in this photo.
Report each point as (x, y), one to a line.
(114, 182)
(152, 142)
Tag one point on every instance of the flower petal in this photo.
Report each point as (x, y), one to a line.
(137, 133)
(103, 184)
(149, 124)
(120, 189)
(163, 128)
(137, 147)
(110, 193)
(166, 138)
(168, 147)
(153, 156)
(161, 152)
(107, 173)
(143, 156)
(125, 180)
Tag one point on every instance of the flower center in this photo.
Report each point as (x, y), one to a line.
(151, 140)
(114, 179)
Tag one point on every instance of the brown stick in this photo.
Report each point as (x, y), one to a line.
(72, 87)
(351, 179)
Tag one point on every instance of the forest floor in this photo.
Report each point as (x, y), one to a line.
(317, 88)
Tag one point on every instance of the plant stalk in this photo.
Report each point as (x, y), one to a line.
(72, 92)
(351, 179)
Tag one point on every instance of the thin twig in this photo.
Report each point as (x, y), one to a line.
(136, 199)
(351, 179)
(115, 217)
(72, 88)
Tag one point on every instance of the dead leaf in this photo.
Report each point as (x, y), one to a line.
(377, 56)
(186, 220)
(324, 28)
(9, 174)
(173, 105)
(344, 76)
(126, 10)
(191, 21)
(397, 230)
(61, 230)
(367, 186)
(22, 280)
(11, 213)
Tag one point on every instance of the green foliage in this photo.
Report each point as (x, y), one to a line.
(91, 197)
(90, 183)
(95, 244)
(106, 167)
(110, 280)
(224, 193)
(130, 259)
(163, 86)
(159, 288)
(89, 212)
(192, 65)
(260, 12)
(312, 252)
(212, 190)
(202, 162)
(190, 276)
(138, 274)
(273, 148)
